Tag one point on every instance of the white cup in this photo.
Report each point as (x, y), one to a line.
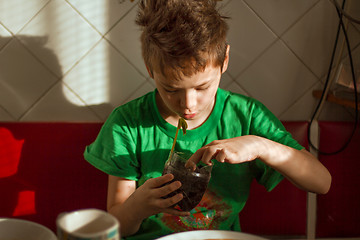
(89, 224)
(12, 228)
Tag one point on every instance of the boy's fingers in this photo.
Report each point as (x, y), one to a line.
(209, 154)
(194, 159)
(159, 181)
(169, 188)
(176, 212)
(190, 165)
(205, 154)
(171, 201)
(221, 156)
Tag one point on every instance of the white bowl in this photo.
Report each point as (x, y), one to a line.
(17, 229)
(210, 234)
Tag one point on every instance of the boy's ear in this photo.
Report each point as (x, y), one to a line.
(226, 60)
(149, 71)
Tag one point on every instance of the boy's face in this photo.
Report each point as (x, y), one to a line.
(192, 98)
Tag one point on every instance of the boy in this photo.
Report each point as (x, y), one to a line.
(185, 51)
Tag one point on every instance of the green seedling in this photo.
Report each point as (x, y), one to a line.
(183, 125)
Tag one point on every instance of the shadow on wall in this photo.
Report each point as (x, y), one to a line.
(30, 90)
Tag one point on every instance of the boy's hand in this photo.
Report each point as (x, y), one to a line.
(233, 150)
(148, 198)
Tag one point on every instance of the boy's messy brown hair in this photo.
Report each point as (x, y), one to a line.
(181, 37)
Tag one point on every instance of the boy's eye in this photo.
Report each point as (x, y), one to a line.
(203, 88)
(170, 91)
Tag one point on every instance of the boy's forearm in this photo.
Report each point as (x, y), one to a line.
(129, 222)
(300, 167)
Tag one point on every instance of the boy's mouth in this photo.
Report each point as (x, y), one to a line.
(189, 116)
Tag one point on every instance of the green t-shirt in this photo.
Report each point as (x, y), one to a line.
(135, 142)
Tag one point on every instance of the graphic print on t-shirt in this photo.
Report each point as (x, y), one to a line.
(208, 214)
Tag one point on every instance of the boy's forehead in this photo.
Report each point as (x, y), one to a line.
(178, 68)
(199, 78)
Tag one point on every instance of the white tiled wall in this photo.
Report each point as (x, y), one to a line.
(75, 60)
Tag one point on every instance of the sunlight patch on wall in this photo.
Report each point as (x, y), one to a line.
(89, 79)
(96, 11)
(25, 204)
(10, 153)
(15, 13)
(90, 76)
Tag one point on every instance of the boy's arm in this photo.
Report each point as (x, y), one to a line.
(131, 206)
(119, 190)
(299, 166)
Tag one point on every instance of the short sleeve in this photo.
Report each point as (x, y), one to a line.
(265, 175)
(265, 124)
(114, 150)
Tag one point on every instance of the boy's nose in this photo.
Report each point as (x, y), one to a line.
(188, 101)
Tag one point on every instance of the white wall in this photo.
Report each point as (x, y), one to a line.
(75, 60)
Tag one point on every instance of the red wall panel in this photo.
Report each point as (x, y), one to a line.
(338, 211)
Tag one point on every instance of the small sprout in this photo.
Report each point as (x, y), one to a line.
(183, 125)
